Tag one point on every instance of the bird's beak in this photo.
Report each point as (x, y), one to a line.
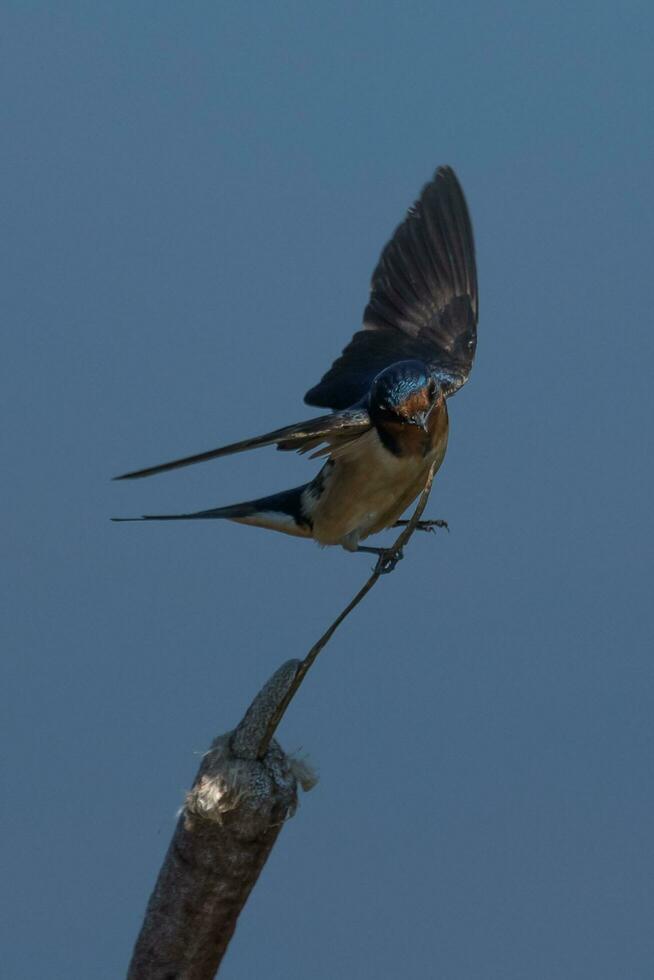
(423, 417)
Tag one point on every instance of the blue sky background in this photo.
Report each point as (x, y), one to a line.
(193, 199)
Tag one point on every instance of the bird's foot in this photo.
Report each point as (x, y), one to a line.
(429, 526)
(387, 558)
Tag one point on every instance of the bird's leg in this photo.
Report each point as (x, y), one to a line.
(387, 558)
(425, 525)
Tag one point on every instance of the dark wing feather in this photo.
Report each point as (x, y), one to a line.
(333, 430)
(423, 300)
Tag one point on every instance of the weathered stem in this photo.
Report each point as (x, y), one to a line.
(230, 821)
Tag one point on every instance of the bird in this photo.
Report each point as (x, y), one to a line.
(386, 393)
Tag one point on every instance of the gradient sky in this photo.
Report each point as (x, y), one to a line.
(193, 199)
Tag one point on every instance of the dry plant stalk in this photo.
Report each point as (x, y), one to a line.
(228, 825)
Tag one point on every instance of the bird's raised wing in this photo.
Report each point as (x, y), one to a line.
(332, 430)
(423, 300)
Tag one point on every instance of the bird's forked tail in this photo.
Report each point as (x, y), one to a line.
(279, 512)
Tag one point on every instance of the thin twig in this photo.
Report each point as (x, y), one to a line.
(303, 669)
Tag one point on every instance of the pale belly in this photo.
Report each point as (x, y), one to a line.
(367, 489)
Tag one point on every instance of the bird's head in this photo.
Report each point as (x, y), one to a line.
(404, 394)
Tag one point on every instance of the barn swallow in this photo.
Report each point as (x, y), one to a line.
(387, 391)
